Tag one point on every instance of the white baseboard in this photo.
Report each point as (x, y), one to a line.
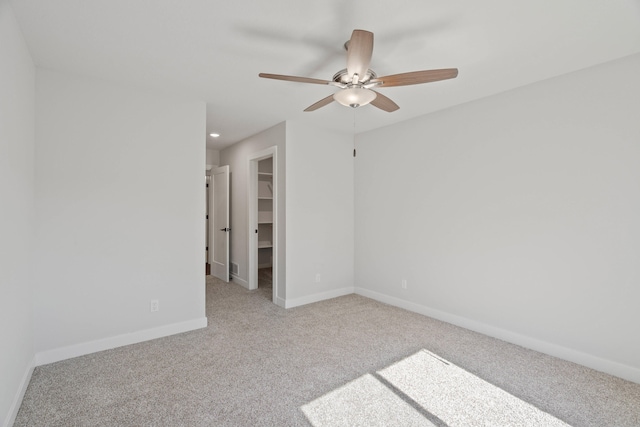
(62, 353)
(240, 281)
(281, 302)
(17, 399)
(604, 365)
(295, 302)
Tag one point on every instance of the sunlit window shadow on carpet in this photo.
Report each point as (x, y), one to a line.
(424, 390)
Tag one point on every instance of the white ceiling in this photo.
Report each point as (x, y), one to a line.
(213, 50)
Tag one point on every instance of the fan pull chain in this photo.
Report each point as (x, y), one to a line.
(354, 132)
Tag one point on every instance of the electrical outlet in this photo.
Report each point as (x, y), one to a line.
(404, 283)
(317, 277)
(155, 305)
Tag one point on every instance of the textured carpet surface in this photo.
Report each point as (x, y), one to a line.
(257, 364)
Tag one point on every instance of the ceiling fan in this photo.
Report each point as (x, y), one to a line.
(357, 80)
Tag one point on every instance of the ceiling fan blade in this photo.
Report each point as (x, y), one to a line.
(416, 77)
(359, 53)
(294, 79)
(384, 103)
(324, 101)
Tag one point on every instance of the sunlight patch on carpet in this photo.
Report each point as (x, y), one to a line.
(424, 390)
(363, 402)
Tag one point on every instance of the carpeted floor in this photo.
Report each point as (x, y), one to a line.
(346, 361)
(265, 282)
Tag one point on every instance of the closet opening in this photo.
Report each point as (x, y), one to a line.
(263, 236)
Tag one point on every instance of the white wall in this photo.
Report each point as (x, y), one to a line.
(516, 215)
(213, 157)
(119, 215)
(237, 157)
(17, 124)
(320, 230)
(316, 192)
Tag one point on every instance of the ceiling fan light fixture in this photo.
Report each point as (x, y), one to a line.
(354, 97)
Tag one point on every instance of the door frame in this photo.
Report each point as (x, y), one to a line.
(224, 170)
(253, 218)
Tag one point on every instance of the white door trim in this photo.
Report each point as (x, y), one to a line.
(253, 217)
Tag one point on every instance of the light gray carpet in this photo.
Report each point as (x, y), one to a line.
(258, 364)
(265, 282)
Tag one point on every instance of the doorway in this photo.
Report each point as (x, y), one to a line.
(263, 222)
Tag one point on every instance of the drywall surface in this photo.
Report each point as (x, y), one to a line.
(17, 141)
(515, 213)
(119, 202)
(237, 157)
(213, 157)
(320, 230)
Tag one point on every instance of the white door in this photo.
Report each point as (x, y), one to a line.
(221, 228)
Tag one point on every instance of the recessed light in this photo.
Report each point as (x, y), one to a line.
(214, 135)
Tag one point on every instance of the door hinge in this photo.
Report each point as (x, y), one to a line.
(207, 216)
(354, 152)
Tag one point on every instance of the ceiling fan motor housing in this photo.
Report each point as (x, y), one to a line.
(353, 94)
(343, 77)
